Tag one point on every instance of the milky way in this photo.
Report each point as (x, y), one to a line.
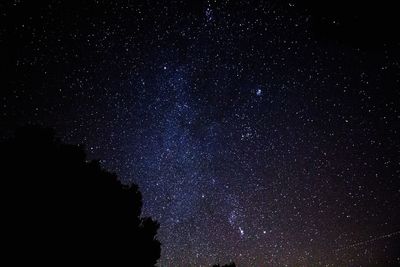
(251, 139)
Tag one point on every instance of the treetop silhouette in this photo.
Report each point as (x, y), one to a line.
(59, 207)
(232, 264)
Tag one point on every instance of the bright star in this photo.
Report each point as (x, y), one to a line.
(241, 231)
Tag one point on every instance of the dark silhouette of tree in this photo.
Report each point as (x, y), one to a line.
(232, 264)
(59, 207)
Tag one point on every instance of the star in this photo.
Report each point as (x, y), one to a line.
(241, 231)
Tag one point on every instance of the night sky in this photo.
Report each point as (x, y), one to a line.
(260, 132)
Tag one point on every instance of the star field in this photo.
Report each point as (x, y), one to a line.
(251, 138)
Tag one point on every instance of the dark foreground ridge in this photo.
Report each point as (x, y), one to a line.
(58, 207)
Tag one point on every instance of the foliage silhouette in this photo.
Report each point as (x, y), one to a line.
(232, 264)
(58, 207)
